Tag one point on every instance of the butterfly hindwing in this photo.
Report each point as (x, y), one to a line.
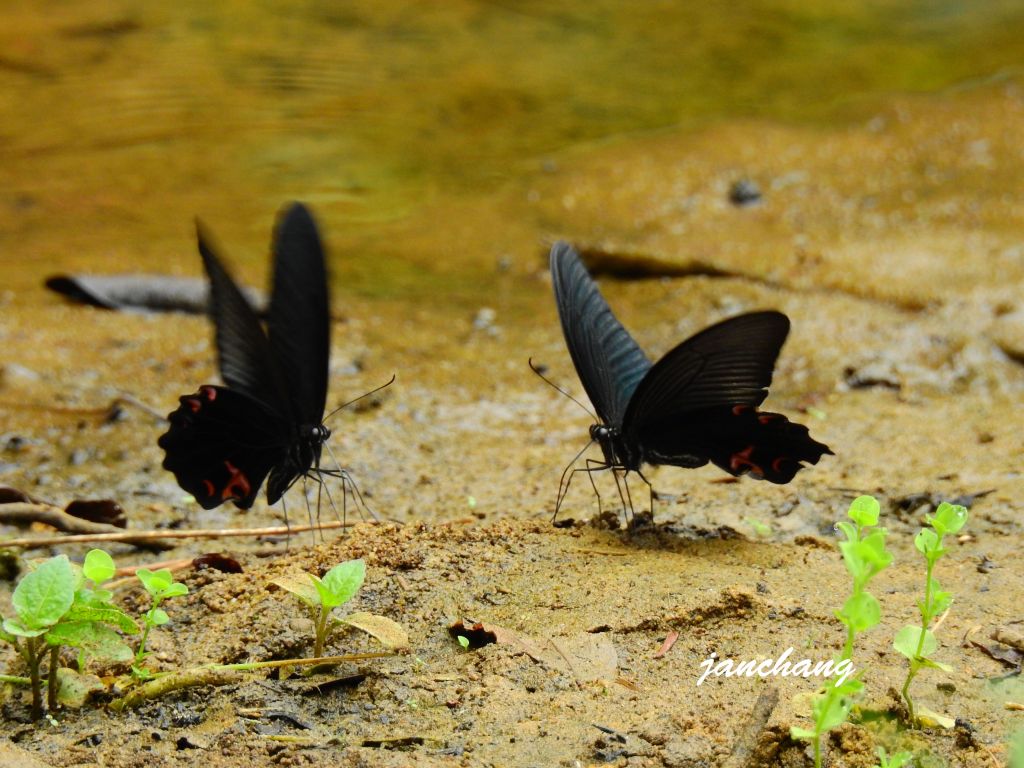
(608, 361)
(221, 444)
(738, 439)
(298, 324)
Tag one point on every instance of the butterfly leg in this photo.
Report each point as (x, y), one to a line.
(625, 498)
(567, 474)
(650, 490)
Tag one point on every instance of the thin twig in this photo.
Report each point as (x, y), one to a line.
(20, 512)
(151, 536)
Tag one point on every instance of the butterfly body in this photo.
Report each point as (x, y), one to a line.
(697, 404)
(224, 441)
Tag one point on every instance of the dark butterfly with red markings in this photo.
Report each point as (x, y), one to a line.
(696, 404)
(268, 418)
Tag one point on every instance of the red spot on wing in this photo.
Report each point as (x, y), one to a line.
(238, 486)
(739, 410)
(209, 488)
(193, 404)
(741, 462)
(210, 393)
(779, 464)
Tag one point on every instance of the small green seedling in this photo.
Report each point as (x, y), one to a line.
(337, 587)
(892, 761)
(918, 643)
(60, 604)
(160, 585)
(865, 556)
(463, 641)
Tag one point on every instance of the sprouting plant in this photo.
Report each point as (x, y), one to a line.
(55, 606)
(918, 643)
(463, 641)
(160, 585)
(337, 587)
(865, 556)
(897, 760)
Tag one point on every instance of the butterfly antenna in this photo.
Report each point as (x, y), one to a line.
(554, 386)
(388, 383)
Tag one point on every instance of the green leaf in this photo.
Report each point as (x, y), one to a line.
(94, 640)
(344, 580)
(45, 594)
(949, 518)
(926, 541)
(892, 761)
(940, 602)
(830, 712)
(300, 586)
(16, 628)
(802, 734)
(177, 589)
(861, 612)
(158, 617)
(7, 637)
(849, 530)
(155, 582)
(463, 641)
(864, 511)
(936, 665)
(103, 614)
(98, 566)
(907, 639)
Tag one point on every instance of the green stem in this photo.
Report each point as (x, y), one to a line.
(926, 619)
(51, 678)
(817, 751)
(15, 680)
(906, 692)
(321, 631)
(147, 626)
(32, 654)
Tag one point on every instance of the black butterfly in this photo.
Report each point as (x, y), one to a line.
(697, 404)
(224, 440)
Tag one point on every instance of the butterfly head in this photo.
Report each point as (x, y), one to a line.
(610, 441)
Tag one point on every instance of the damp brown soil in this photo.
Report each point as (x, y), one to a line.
(893, 240)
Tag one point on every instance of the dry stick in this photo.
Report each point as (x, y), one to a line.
(747, 741)
(152, 536)
(24, 512)
(223, 674)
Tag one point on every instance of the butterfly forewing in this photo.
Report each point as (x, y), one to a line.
(608, 361)
(244, 357)
(728, 364)
(298, 323)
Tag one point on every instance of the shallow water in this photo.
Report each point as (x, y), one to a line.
(122, 121)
